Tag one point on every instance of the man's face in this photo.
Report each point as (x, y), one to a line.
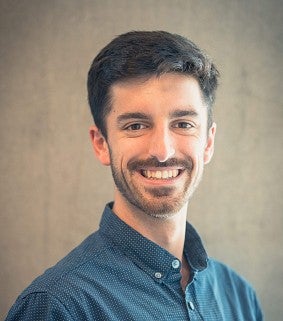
(157, 142)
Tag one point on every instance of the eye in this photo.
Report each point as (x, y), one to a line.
(183, 125)
(135, 126)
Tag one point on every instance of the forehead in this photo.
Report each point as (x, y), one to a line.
(158, 95)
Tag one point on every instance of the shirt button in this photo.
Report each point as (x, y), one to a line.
(158, 275)
(175, 264)
(191, 305)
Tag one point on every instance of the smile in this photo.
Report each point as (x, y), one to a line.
(161, 174)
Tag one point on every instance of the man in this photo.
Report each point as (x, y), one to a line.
(151, 96)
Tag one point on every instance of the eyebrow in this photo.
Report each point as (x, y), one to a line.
(183, 112)
(138, 115)
(127, 116)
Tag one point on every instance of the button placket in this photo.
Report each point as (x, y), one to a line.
(158, 275)
(176, 264)
(191, 305)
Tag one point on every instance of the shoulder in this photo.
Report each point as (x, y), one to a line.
(224, 275)
(227, 281)
(91, 249)
(55, 291)
(231, 293)
(223, 272)
(38, 306)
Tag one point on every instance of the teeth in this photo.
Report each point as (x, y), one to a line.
(158, 174)
(164, 174)
(175, 172)
(161, 174)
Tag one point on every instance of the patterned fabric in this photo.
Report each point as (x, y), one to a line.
(117, 274)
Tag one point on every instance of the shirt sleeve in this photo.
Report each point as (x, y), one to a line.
(38, 306)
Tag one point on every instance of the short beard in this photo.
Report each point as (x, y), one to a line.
(156, 209)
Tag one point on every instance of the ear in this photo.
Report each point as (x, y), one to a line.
(100, 146)
(209, 147)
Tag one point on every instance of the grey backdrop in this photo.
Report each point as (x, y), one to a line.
(52, 188)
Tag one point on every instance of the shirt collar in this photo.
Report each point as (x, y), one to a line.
(149, 256)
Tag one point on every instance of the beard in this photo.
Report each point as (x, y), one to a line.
(158, 202)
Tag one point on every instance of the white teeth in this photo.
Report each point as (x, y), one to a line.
(164, 174)
(161, 174)
(175, 172)
(158, 174)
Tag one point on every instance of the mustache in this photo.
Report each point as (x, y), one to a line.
(135, 165)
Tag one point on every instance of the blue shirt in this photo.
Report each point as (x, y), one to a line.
(117, 274)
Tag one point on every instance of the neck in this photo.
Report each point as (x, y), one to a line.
(168, 233)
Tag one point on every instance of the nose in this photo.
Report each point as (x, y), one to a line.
(161, 145)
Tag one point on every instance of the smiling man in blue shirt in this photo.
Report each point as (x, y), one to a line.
(151, 96)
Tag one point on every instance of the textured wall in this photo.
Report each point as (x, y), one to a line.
(53, 190)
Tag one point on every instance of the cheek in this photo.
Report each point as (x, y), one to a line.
(200, 148)
(134, 149)
(193, 148)
(117, 159)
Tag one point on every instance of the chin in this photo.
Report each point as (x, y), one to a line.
(161, 209)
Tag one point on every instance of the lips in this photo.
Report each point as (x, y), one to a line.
(156, 171)
(161, 174)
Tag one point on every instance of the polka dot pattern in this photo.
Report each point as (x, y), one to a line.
(117, 274)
